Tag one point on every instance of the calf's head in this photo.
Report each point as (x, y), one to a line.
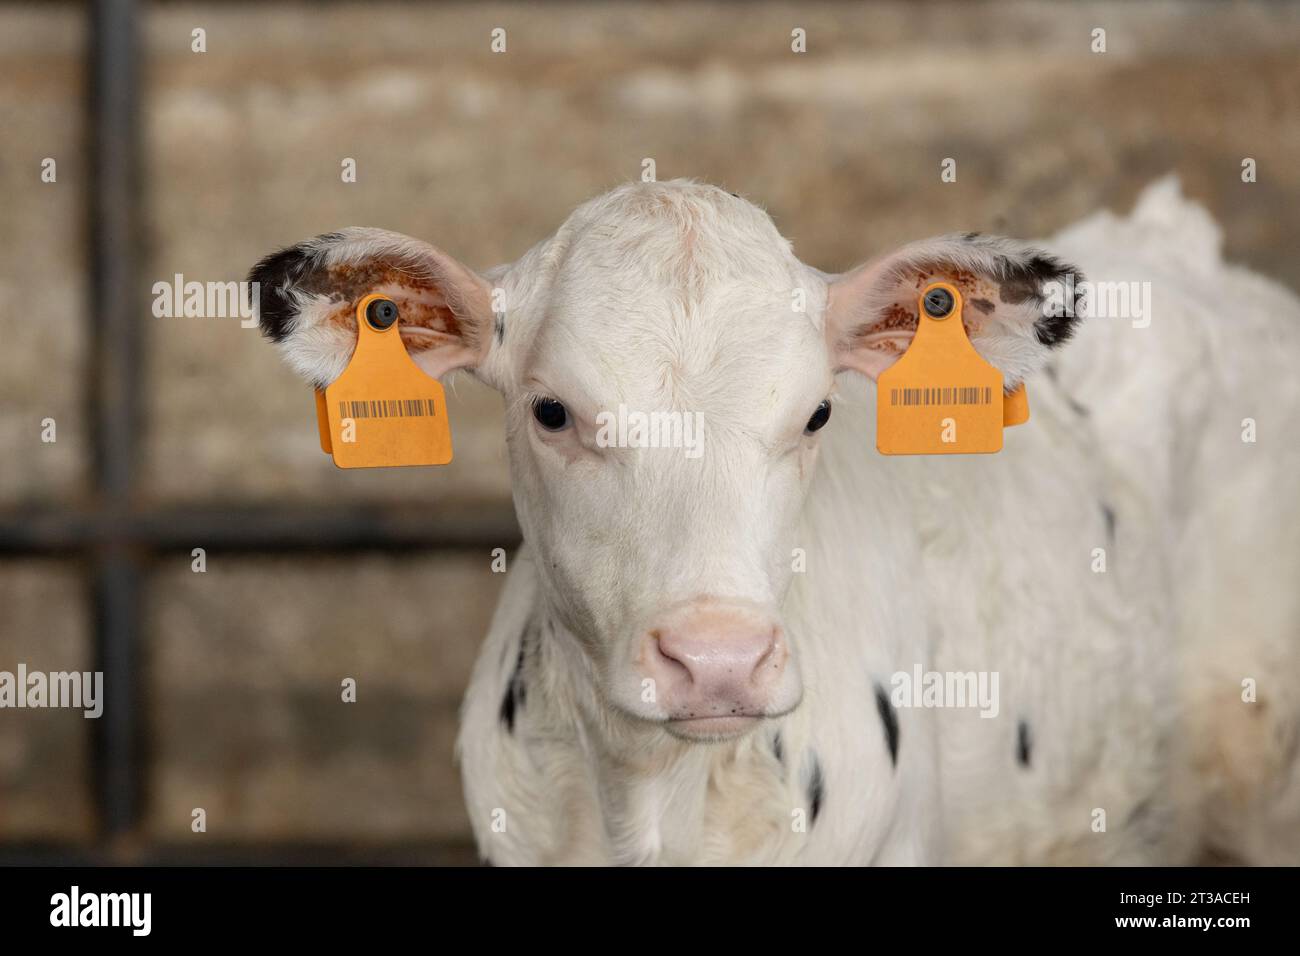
(667, 366)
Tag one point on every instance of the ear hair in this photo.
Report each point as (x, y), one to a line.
(872, 309)
(306, 294)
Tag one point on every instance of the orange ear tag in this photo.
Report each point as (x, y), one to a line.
(323, 423)
(1015, 407)
(941, 397)
(383, 411)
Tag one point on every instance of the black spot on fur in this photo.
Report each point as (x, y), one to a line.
(516, 694)
(1052, 330)
(890, 720)
(1108, 513)
(970, 236)
(1024, 744)
(816, 788)
(499, 328)
(508, 709)
(276, 275)
(1022, 280)
(778, 748)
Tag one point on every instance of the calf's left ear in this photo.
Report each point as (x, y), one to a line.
(307, 295)
(1020, 303)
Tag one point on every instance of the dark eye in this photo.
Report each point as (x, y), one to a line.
(550, 414)
(819, 417)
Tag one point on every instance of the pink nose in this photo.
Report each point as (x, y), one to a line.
(714, 659)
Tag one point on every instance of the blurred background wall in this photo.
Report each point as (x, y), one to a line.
(483, 153)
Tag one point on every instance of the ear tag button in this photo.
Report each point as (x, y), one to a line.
(383, 411)
(941, 397)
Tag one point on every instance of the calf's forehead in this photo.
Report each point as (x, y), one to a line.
(727, 342)
(679, 235)
(678, 289)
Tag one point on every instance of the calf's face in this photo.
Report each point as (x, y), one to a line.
(667, 366)
(666, 550)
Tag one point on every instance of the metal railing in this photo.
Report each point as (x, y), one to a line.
(119, 535)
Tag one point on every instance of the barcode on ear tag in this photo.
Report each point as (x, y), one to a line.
(968, 395)
(383, 411)
(940, 397)
(388, 408)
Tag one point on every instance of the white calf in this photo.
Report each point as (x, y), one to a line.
(696, 656)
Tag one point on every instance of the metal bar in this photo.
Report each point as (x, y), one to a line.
(275, 528)
(118, 732)
(263, 528)
(114, 399)
(406, 853)
(118, 537)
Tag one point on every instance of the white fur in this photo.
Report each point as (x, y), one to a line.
(677, 296)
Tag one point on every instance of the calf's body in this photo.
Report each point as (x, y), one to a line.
(958, 564)
(1114, 576)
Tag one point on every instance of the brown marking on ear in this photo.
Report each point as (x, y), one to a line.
(351, 281)
(1015, 291)
(971, 284)
(423, 306)
(434, 316)
(899, 317)
(887, 331)
(965, 281)
(895, 316)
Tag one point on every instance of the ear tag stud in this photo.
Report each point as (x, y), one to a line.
(383, 411)
(941, 397)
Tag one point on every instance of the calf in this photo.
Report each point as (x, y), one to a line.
(699, 658)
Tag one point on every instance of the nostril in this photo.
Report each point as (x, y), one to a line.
(674, 663)
(710, 659)
(717, 657)
(772, 657)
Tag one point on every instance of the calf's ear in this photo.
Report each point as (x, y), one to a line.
(307, 296)
(1020, 303)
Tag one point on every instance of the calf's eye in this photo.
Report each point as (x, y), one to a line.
(819, 418)
(550, 414)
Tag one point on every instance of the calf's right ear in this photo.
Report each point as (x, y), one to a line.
(307, 296)
(1012, 321)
